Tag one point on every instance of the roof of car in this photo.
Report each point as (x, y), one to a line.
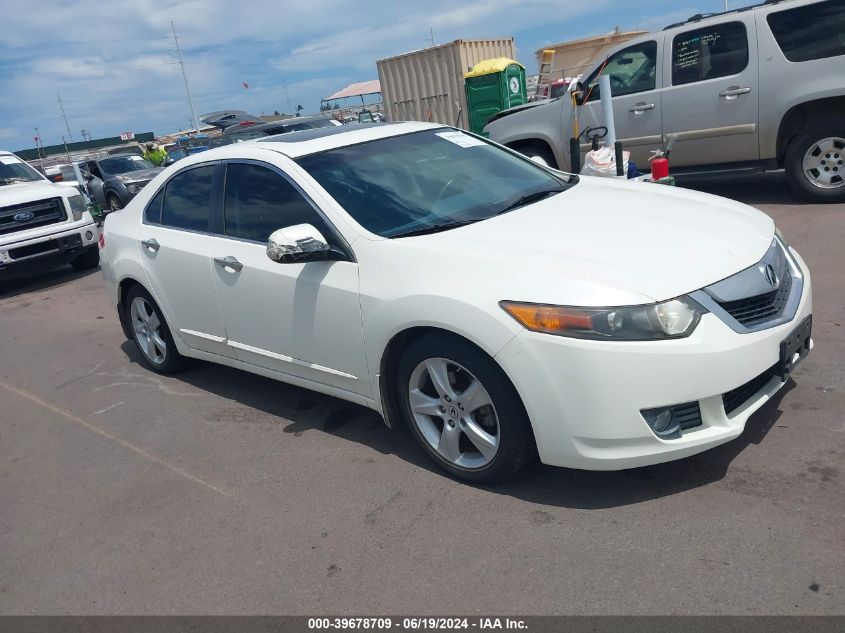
(296, 144)
(699, 17)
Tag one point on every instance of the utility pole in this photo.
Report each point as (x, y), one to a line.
(287, 96)
(64, 116)
(431, 34)
(38, 144)
(67, 153)
(185, 77)
(726, 6)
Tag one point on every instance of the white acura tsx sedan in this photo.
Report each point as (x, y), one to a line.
(497, 308)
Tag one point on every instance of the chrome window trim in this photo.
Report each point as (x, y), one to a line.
(706, 300)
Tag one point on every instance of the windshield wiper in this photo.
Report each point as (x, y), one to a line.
(528, 199)
(436, 228)
(14, 179)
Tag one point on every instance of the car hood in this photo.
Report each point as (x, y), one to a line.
(141, 174)
(608, 242)
(29, 191)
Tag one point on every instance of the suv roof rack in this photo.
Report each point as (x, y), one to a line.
(704, 16)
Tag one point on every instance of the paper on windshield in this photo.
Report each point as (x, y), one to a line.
(459, 138)
(9, 160)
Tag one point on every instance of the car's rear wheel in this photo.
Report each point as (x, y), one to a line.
(114, 202)
(815, 162)
(463, 410)
(151, 334)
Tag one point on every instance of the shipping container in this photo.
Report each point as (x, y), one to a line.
(428, 85)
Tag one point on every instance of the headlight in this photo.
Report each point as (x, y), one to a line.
(77, 206)
(134, 188)
(675, 318)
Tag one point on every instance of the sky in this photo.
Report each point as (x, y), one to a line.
(114, 62)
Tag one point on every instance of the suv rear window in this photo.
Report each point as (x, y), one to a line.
(714, 51)
(814, 31)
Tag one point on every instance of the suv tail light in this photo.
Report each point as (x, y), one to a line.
(102, 240)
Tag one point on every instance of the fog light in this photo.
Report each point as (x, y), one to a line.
(88, 235)
(662, 422)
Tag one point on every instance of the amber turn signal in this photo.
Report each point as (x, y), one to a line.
(551, 319)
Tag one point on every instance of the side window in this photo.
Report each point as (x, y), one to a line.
(94, 170)
(259, 201)
(715, 51)
(187, 199)
(631, 70)
(152, 214)
(814, 31)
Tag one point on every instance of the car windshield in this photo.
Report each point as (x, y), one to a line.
(428, 181)
(13, 170)
(124, 164)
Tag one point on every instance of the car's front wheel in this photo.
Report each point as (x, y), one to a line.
(151, 334)
(114, 202)
(463, 410)
(815, 162)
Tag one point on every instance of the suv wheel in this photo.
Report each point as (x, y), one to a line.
(114, 202)
(463, 410)
(815, 162)
(151, 334)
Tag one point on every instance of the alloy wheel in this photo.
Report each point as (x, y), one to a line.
(824, 163)
(454, 413)
(148, 332)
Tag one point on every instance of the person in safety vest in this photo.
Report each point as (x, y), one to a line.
(155, 154)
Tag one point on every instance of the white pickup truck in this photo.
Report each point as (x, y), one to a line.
(42, 224)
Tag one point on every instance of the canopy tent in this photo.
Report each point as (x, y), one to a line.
(360, 89)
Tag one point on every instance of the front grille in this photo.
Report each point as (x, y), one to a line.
(755, 310)
(33, 249)
(735, 398)
(42, 212)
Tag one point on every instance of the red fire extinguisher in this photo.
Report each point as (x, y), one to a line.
(660, 160)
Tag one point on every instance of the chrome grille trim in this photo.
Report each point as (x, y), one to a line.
(756, 310)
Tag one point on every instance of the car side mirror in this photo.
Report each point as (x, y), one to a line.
(296, 244)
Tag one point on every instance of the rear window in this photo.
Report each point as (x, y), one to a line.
(715, 51)
(814, 31)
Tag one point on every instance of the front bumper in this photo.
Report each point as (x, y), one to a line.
(584, 398)
(46, 250)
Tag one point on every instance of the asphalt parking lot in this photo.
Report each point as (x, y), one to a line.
(216, 491)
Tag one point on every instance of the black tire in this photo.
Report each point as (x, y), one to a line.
(113, 202)
(800, 145)
(89, 258)
(173, 361)
(538, 150)
(516, 446)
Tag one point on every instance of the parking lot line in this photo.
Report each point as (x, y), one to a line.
(114, 438)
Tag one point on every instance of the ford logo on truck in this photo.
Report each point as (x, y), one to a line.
(23, 216)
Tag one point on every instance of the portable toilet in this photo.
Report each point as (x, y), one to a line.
(491, 86)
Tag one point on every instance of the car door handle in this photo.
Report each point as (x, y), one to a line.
(151, 244)
(228, 262)
(734, 91)
(641, 107)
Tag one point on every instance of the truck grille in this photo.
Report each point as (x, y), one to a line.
(755, 310)
(735, 398)
(31, 215)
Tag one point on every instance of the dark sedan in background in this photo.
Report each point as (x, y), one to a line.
(114, 180)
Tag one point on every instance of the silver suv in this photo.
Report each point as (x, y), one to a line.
(752, 89)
